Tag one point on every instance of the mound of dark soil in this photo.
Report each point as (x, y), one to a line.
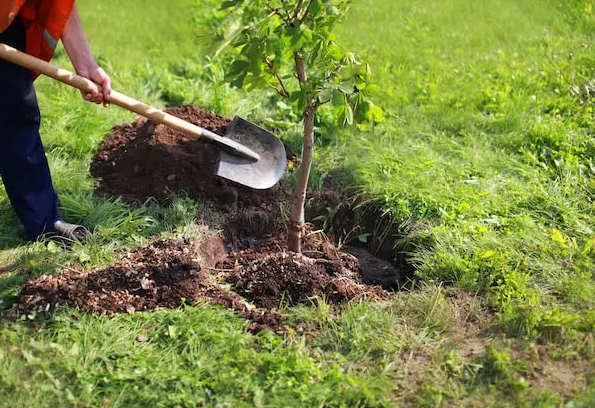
(142, 160)
(269, 275)
(162, 273)
(169, 273)
(165, 273)
(289, 278)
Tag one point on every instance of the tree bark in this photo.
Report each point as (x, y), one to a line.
(296, 222)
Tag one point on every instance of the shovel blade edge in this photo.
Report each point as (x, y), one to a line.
(262, 174)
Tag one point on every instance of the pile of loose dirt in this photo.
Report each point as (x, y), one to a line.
(159, 274)
(288, 278)
(165, 273)
(142, 160)
(169, 273)
(269, 275)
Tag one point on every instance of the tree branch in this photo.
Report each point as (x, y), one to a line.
(303, 18)
(297, 9)
(285, 9)
(319, 103)
(280, 92)
(271, 66)
(278, 12)
(285, 91)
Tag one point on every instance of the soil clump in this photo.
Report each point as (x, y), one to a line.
(145, 160)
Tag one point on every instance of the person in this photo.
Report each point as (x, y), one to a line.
(35, 26)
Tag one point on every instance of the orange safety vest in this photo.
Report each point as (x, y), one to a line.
(43, 19)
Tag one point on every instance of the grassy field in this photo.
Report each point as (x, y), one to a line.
(483, 170)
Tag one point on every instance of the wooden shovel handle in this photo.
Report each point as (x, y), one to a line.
(37, 65)
(85, 85)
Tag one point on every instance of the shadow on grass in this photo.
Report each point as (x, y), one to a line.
(9, 227)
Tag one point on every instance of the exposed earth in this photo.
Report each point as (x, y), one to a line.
(247, 268)
(170, 273)
(145, 160)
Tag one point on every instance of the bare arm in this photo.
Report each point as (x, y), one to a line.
(77, 47)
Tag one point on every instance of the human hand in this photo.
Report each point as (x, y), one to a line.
(80, 54)
(98, 76)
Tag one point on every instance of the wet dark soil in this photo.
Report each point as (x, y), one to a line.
(144, 160)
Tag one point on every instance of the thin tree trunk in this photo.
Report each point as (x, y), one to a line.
(296, 222)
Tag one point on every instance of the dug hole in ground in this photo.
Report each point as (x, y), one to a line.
(143, 160)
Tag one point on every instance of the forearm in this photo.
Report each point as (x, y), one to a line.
(76, 44)
(77, 47)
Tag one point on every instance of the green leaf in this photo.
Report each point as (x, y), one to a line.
(230, 3)
(236, 68)
(237, 73)
(375, 113)
(559, 238)
(588, 246)
(326, 94)
(489, 254)
(335, 52)
(344, 114)
(298, 100)
(253, 82)
(314, 8)
(365, 72)
(332, 10)
(295, 96)
(349, 114)
(346, 87)
(338, 98)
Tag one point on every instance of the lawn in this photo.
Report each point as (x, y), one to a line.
(481, 178)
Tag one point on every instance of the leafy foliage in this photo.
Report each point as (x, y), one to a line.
(268, 35)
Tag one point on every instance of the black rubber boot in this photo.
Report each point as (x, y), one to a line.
(64, 232)
(72, 232)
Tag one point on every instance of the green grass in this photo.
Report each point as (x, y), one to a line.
(487, 154)
(483, 169)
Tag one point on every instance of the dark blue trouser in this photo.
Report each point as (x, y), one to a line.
(23, 165)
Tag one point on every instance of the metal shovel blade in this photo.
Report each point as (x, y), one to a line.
(261, 174)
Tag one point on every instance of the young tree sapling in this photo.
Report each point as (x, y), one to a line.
(289, 46)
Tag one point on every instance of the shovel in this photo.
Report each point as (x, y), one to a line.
(250, 155)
